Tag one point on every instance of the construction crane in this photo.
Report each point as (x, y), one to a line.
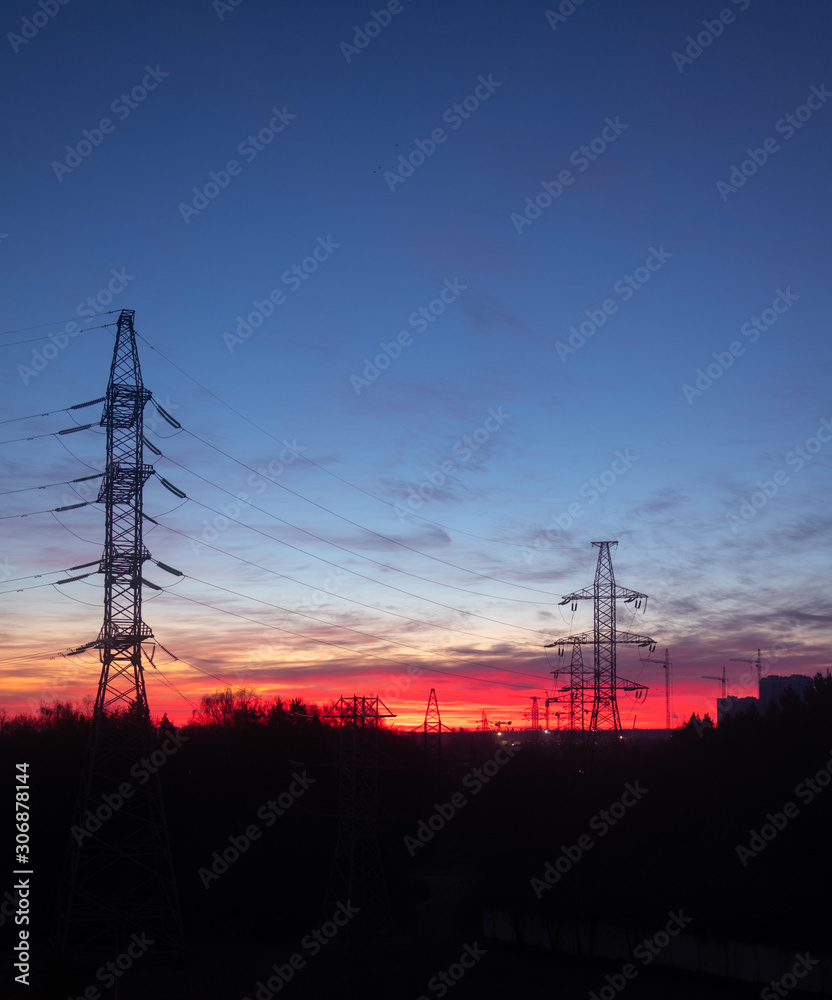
(710, 677)
(666, 664)
(758, 663)
(485, 725)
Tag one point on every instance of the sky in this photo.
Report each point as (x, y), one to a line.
(440, 294)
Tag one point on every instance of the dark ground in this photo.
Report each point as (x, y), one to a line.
(674, 849)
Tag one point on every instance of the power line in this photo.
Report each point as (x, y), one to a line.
(51, 653)
(48, 486)
(323, 468)
(343, 548)
(338, 645)
(51, 510)
(193, 666)
(348, 628)
(342, 597)
(33, 437)
(86, 541)
(355, 524)
(42, 326)
(33, 340)
(169, 683)
(363, 576)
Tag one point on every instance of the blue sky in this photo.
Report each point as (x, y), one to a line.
(720, 519)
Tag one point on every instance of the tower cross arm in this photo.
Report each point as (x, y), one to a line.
(633, 639)
(581, 637)
(579, 595)
(619, 593)
(627, 595)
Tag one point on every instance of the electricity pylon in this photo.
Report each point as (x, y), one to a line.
(433, 729)
(357, 873)
(605, 637)
(535, 715)
(120, 876)
(578, 685)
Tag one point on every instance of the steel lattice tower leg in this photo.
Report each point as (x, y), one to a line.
(605, 703)
(357, 874)
(120, 874)
(577, 685)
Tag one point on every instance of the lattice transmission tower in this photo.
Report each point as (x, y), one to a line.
(119, 877)
(433, 730)
(579, 687)
(605, 637)
(357, 873)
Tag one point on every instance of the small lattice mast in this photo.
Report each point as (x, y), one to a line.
(433, 728)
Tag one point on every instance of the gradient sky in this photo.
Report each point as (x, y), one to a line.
(688, 418)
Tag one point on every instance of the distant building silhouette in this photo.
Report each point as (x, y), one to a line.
(773, 686)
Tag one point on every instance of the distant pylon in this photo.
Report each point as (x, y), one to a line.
(433, 729)
(579, 686)
(604, 638)
(120, 877)
(535, 715)
(357, 873)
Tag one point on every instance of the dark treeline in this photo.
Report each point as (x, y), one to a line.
(665, 821)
